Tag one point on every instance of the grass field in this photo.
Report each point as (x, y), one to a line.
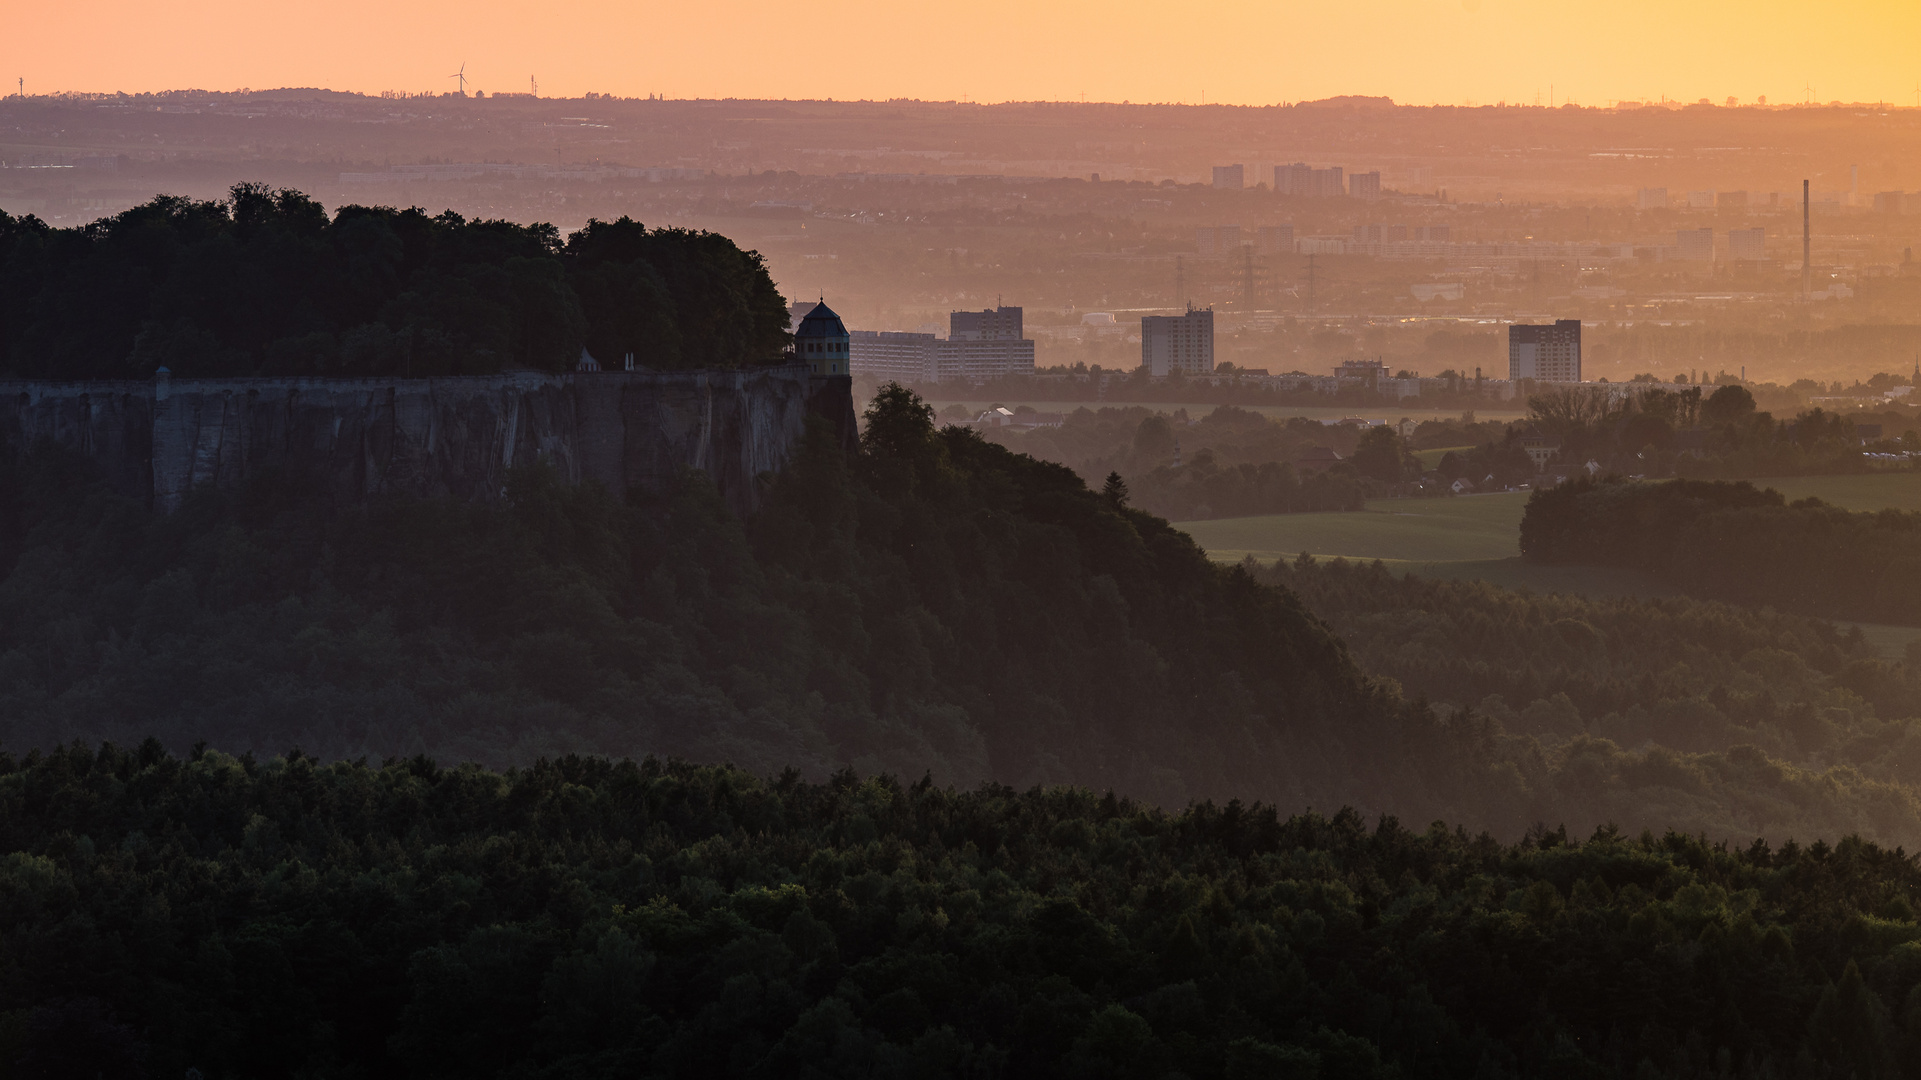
(1890, 641)
(1862, 491)
(1467, 528)
(1477, 537)
(1431, 459)
(1480, 529)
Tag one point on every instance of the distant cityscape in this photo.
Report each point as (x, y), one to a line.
(1314, 233)
(990, 345)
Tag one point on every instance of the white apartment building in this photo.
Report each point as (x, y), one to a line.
(1695, 245)
(1747, 244)
(1548, 353)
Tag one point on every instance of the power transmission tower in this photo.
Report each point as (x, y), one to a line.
(1247, 277)
(1310, 283)
(1180, 282)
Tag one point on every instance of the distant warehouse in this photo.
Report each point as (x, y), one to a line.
(1545, 353)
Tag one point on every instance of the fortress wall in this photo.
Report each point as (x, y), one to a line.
(442, 436)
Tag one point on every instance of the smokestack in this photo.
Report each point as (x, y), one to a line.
(1807, 278)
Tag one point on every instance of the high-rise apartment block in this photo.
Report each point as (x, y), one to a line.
(1651, 198)
(1218, 239)
(982, 361)
(1365, 185)
(1275, 240)
(993, 324)
(1547, 353)
(1700, 200)
(1230, 177)
(1183, 343)
(1303, 179)
(981, 346)
(1747, 244)
(892, 357)
(1695, 245)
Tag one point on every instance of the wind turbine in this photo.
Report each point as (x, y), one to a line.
(462, 76)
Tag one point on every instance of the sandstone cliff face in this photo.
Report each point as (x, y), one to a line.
(445, 436)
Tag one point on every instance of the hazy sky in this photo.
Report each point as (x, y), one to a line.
(1242, 51)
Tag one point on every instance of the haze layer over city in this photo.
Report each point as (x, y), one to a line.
(1323, 542)
(1673, 230)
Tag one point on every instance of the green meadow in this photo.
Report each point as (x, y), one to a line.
(1862, 491)
(1461, 528)
(1478, 537)
(1475, 528)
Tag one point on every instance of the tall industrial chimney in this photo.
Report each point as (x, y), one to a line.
(1807, 278)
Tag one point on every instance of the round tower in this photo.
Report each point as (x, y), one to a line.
(821, 341)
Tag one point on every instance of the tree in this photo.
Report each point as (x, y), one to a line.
(1380, 456)
(1727, 405)
(1850, 1027)
(263, 283)
(1567, 412)
(1115, 490)
(898, 424)
(1153, 441)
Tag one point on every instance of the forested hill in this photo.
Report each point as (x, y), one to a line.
(1731, 541)
(267, 283)
(1661, 713)
(932, 603)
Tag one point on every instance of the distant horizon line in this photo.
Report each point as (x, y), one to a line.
(1374, 101)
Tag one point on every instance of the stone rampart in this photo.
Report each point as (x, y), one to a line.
(440, 436)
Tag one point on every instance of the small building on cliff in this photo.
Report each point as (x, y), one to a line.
(821, 341)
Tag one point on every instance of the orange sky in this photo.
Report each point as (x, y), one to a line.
(1417, 51)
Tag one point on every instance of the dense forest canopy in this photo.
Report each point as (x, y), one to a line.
(266, 283)
(1706, 432)
(586, 918)
(1750, 721)
(1732, 541)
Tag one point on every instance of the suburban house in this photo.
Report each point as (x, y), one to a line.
(1317, 459)
(1000, 417)
(1541, 447)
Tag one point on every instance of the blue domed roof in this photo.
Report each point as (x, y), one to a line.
(820, 323)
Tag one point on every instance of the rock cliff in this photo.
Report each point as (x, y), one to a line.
(443, 436)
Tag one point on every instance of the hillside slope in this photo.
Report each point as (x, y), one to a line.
(933, 603)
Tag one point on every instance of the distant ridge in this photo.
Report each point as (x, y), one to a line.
(1352, 101)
